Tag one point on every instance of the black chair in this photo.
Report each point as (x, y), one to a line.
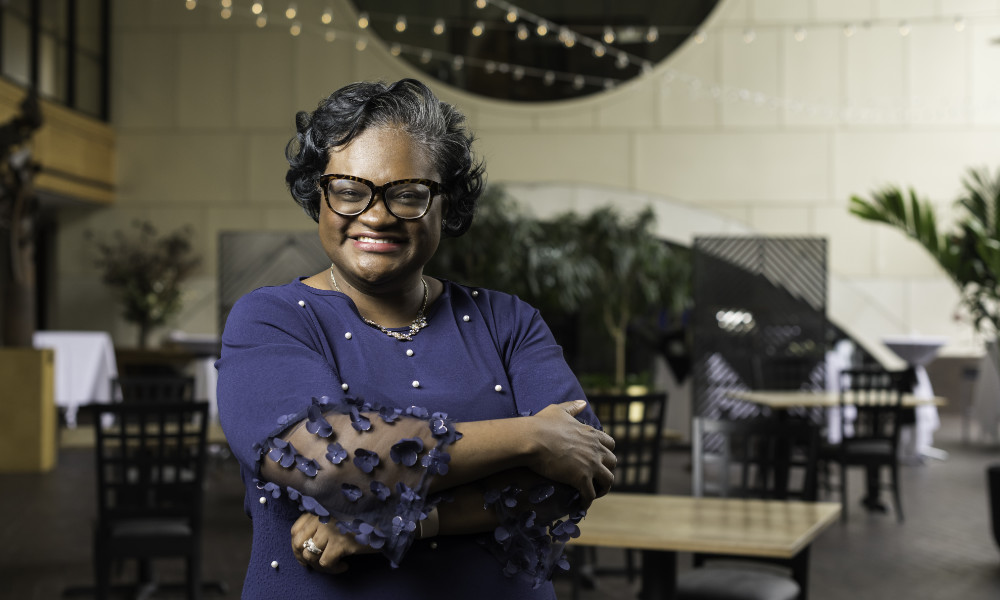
(871, 439)
(751, 458)
(636, 424)
(152, 388)
(150, 478)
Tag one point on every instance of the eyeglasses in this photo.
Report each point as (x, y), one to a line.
(349, 196)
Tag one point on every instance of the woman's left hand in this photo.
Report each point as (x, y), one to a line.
(335, 546)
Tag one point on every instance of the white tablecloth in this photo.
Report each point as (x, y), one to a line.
(84, 366)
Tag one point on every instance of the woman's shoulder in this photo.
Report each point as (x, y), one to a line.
(488, 300)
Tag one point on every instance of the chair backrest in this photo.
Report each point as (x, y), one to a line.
(158, 388)
(150, 460)
(636, 423)
(755, 458)
(876, 396)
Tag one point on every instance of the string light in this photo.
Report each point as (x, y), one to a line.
(425, 56)
(225, 12)
(295, 29)
(700, 36)
(330, 35)
(652, 34)
(600, 51)
(904, 28)
(959, 24)
(800, 34)
(849, 30)
(480, 4)
(400, 23)
(262, 20)
(478, 28)
(191, 4)
(361, 44)
(542, 29)
(457, 63)
(363, 20)
(395, 49)
(226, 3)
(512, 15)
(438, 27)
(749, 35)
(609, 35)
(327, 17)
(257, 7)
(291, 11)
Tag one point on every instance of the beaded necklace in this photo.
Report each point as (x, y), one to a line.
(418, 323)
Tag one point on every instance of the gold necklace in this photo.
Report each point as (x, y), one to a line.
(418, 323)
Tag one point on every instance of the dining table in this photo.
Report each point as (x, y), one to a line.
(661, 526)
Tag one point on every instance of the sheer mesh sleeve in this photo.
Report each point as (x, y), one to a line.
(368, 467)
(536, 518)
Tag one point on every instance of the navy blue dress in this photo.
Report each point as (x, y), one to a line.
(383, 413)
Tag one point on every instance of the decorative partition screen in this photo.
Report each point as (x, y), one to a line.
(759, 318)
(251, 259)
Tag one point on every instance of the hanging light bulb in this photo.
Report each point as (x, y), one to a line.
(518, 73)
(959, 24)
(578, 82)
(904, 28)
(327, 17)
(799, 34)
(512, 15)
(622, 60)
(457, 63)
(438, 27)
(400, 23)
(361, 44)
(330, 35)
(425, 56)
(395, 49)
(542, 29)
(749, 35)
(700, 36)
(522, 31)
(647, 67)
(609, 84)
(257, 7)
(478, 28)
(491, 67)
(363, 20)
(226, 3)
(609, 35)
(849, 30)
(226, 12)
(567, 37)
(549, 78)
(600, 50)
(191, 4)
(295, 29)
(262, 20)
(480, 4)
(652, 34)
(291, 11)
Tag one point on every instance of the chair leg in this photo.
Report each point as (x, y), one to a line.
(843, 492)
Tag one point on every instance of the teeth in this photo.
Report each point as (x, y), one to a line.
(369, 240)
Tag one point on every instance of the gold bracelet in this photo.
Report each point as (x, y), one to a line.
(428, 527)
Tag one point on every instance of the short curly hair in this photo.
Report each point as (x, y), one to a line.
(407, 104)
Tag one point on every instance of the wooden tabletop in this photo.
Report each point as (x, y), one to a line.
(781, 399)
(771, 528)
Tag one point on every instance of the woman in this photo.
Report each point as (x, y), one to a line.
(398, 434)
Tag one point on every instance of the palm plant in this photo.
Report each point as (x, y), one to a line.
(969, 254)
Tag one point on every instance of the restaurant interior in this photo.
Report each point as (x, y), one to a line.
(764, 233)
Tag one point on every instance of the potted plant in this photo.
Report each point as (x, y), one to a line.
(146, 271)
(606, 268)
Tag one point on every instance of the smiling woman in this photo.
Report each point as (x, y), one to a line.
(373, 407)
(556, 50)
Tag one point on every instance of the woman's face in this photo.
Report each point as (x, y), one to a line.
(376, 251)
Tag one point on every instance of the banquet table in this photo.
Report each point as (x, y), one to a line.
(84, 366)
(663, 525)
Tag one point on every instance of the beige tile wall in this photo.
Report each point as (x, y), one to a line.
(724, 137)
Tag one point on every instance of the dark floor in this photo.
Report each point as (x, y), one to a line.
(944, 549)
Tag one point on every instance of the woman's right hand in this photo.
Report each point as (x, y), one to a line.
(568, 451)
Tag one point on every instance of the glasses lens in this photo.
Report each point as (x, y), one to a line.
(347, 197)
(408, 200)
